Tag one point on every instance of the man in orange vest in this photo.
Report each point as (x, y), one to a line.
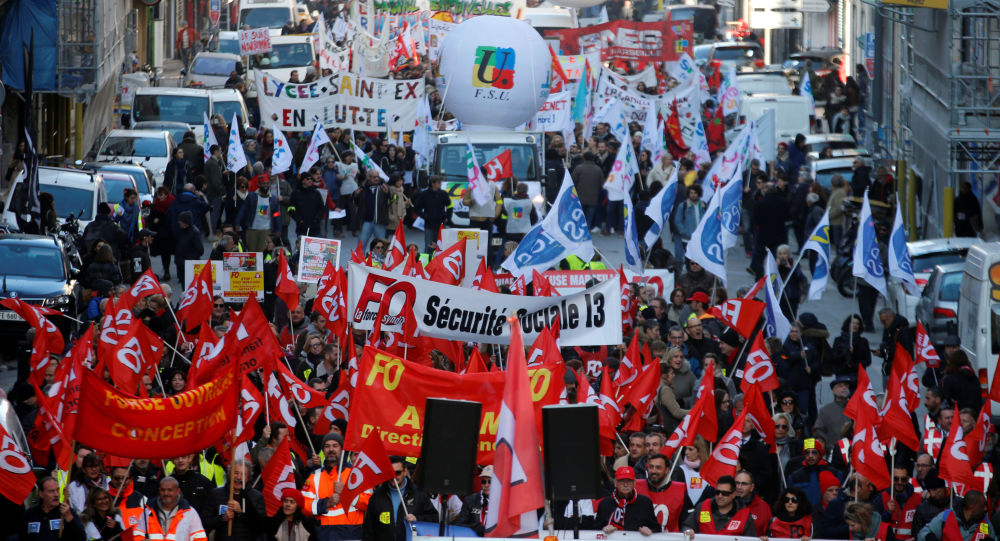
(169, 516)
(724, 514)
(337, 520)
(130, 501)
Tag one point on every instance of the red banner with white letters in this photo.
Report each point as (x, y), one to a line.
(657, 41)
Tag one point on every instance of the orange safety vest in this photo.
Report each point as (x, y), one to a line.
(154, 531)
(130, 504)
(319, 486)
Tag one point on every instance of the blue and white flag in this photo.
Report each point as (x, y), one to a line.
(900, 264)
(732, 198)
(819, 242)
(236, 159)
(562, 233)
(316, 142)
(705, 247)
(775, 324)
(660, 207)
(623, 172)
(365, 161)
(281, 161)
(633, 257)
(724, 168)
(209, 138)
(806, 89)
(867, 256)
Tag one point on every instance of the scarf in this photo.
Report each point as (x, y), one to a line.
(693, 464)
(618, 516)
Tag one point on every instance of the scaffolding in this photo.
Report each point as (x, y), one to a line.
(90, 45)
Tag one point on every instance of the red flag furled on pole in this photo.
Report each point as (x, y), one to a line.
(516, 491)
(196, 305)
(278, 474)
(396, 254)
(370, 468)
(484, 280)
(284, 286)
(925, 352)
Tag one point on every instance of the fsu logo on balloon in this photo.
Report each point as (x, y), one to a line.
(493, 72)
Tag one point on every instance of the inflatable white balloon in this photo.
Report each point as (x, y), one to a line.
(495, 71)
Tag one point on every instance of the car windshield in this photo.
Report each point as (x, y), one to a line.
(79, 203)
(40, 261)
(825, 176)
(736, 53)
(186, 109)
(702, 20)
(213, 65)
(116, 187)
(926, 263)
(141, 184)
(451, 159)
(134, 146)
(290, 55)
(260, 17)
(231, 46)
(227, 108)
(950, 284)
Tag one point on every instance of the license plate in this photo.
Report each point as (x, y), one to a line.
(10, 316)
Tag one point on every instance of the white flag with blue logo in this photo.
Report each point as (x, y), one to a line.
(819, 242)
(806, 89)
(900, 264)
(623, 172)
(724, 168)
(775, 322)
(316, 142)
(867, 256)
(731, 199)
(633, 257)
(281, 161)
(236, 159)
(705, 247)
(660, 207)
(209, 138)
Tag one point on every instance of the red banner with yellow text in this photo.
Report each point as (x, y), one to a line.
(389, 400)
(111, 421)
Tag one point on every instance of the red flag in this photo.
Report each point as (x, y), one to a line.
(741, 315)
(251, 405)
(628, 368)
(544, 349)
(370, 468)
(726, 455)
(278, 474)
(17, 480)
(448, 266)
(895, 415)
(203, 348)
(484, 280)
(642, 394)
(867, 456)
(975, 441)
(516, 490)
(925, 352)
(48, 339)
(397, 248)
(284, 286)
(138, 352)
(499, 168)
(629, 306)
(358, 253)
(995, 384)
(476, 362)
(281, 410)
(759, 368)
(611, 413)
(518, 287)
(559, 78)
(755, 289)
(758, 414)
(412, 267)
(540, 286)
(146, 285)
(196, 305)
(706, 422)
(297, 389)
(862, 406)
(715, 131)
(331, 299)
(954, 464)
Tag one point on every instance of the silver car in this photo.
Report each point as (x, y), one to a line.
(924, 256)
(210, 70)
(937, 308)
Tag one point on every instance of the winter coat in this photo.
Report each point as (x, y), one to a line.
(250, 525)
(163, 242)
(189, 202)
(307, 208)
(374, 203)
(843, 361)
(176, 175)
(588, 177)
(383, 523)
(432, 206)
(637, 514)
(214, 187)
(770, 216)
(397, 205)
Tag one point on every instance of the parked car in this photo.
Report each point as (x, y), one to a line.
(937, 307)
(823, 171)
(74, 192)
(229, 42)
(924, 256)
(210, 70)
(737, 54)
(823, 62)
(187, 105)
(116, 184)
(226, 101)
(791, 114)
(151, 149)
(840, 144)
(144, 182)
(177, 129)
(35, 269)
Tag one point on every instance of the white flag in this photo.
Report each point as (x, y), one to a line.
(806, 89)
(819, 242)
(236, 159)
(365, 161)
(729, 93)
(730, 163)
(209, 138)
(867, 256)
(900, 264)
(281, 161)
(660, 207)
(316, 142)
(623, 172)
(482, 190)
(633, 257)
(705, 247)
(775, 322)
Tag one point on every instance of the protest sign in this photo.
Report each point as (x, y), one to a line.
(636, 106)
(314, 254)
(343, 100)
(234, 278)
(123, 425)
(569, 282)
(591, 317)
(436, 34)
(555, 114)
(254, 41)
(394, 413)
(658, 41)
(573, 65)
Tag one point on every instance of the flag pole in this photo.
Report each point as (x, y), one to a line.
(892, 466)
(402, 500)
(62, 490)
(114, 502)
(677, 459)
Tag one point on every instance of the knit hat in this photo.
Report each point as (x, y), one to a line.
(932, 481)
(335, 437)
(827, 480)
(295, 495)
(812, 443)
(731, 338)
(185, 217)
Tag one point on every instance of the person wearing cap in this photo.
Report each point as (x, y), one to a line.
(729, 348)
(245, 509)
(625, 509)
(936, 500)
(805, 474)
(188, 243)
(473, 513)
(828, 514)
(830, 420)
(322, 490)
(699, 303)
(723, 514)
(290, 523)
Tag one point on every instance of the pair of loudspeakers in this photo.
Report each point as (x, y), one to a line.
(570, 439)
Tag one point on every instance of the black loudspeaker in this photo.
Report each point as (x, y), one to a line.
(451, 441)
(572, 452)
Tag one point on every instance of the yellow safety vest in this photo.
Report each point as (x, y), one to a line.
(212, 471)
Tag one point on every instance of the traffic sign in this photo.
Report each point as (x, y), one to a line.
(214, 11)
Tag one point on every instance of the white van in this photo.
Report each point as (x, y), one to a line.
(148, 148)
(187, 105)
(226, 101)
(270, 13)
(753, 84)
(979, 309)
(791, 115)
(547, 17)
(288, 54)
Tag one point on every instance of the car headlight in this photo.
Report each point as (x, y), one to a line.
(58, 300)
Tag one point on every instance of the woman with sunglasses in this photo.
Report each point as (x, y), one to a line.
(850, 349)
(788, 445)
(789, 403)
(792, 516)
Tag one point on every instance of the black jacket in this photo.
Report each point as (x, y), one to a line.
(770, 216)
(188, 244)
(39, 526)
(196, 489)
(250, 525)
(844, 361)
(104, 228)
(306, 208)
(375, 528)
(637, 514)
(861, 180)
(472, 508)
(432, 206)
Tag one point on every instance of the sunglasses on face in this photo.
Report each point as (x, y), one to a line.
(398, 472)
(901, 479)
(788, 402)
(485, 481)
(781, 427)
(791, 499)
(724, 492)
